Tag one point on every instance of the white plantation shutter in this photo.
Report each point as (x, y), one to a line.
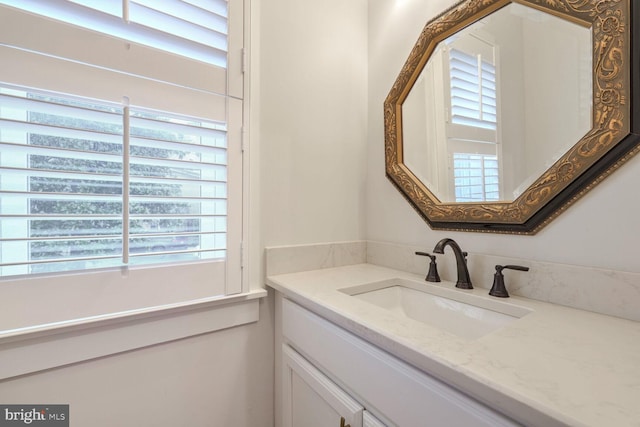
(119, 143)
(194, 29)
(473, 90)
(62, 168)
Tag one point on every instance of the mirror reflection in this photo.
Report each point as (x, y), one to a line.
(497, 104)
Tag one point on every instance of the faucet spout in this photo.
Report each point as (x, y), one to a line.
(464, 281)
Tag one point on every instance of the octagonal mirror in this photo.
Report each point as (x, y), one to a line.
(506, 111)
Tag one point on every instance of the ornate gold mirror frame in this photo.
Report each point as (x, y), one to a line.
(613, 139)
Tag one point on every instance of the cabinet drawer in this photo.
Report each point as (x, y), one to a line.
(399, 392)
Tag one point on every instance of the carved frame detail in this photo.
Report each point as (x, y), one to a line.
(610, 142)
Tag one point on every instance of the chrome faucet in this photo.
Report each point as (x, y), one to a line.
(464, 281)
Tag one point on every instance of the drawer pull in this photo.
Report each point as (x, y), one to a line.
(342, 423)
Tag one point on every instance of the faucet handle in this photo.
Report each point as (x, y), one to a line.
(499, 289)
(513, 267)
(432, 275)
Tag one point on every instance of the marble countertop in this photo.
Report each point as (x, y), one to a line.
(554, 366)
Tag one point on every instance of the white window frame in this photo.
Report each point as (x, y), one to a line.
(63, 304)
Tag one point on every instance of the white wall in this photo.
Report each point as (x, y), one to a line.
(508, 36)
(219, 379)
(599, 230)
(550, 90)
(312, 101)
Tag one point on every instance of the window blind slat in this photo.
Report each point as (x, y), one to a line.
(57, 153)
(465, 103)
(37, 196)
(176, 132)
(11, 128)
(178, 152)
(489, 98)
(464, 70)
(214, 19)
(470, 121)
(81, 112)
(464, 86)
(188, 166)
(215, 6)
(110, 7)
(212, 35)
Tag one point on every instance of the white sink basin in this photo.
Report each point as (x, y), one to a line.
(453, 310)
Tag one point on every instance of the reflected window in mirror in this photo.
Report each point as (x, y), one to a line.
(472, 76)
(476, 176)
(473, 128)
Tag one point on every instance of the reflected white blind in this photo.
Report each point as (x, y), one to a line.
(195, 29)
(473, 90)
(476, 177)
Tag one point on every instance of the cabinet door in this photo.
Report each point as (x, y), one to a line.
(369, 420)
(310, 399)
(404, 395)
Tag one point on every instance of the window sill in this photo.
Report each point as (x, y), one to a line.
(32, 349)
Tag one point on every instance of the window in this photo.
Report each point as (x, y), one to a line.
(473, 128)
(476, 177)
(64, 187)
(120, 146)
(473, 90)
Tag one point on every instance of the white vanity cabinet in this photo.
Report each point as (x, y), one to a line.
(310, 399)
(316, 355)
(369, 420)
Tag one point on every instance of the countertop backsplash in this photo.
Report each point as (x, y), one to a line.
(609, 292)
